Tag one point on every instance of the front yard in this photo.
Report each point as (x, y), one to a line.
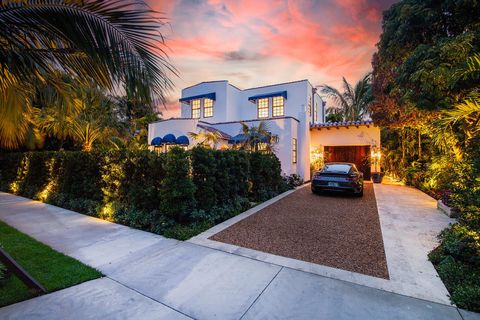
(52, 269)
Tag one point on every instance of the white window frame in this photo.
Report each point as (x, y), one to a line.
(263, 108)
(196, 112)
(208, 107)
(278, 103)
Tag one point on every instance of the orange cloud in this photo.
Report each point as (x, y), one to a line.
(254, 42)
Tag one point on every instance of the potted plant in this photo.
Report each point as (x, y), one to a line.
(377, 175)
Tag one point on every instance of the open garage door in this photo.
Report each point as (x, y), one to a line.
(360, 155)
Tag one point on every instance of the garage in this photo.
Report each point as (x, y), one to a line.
(359, 155)
(346, 142)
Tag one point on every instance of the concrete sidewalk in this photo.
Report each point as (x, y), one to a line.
(150, 277)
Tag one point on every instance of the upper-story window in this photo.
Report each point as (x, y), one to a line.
(315, 112)
(278, 106)
(262, 106)
(196, 108)
(207, 108)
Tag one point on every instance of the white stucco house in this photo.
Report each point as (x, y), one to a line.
(293, 111)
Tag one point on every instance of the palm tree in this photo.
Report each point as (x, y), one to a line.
(113, 43)
(206, 138)
(456, 128)
(256, 137)
(353, 103)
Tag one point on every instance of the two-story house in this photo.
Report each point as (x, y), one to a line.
(294, 113)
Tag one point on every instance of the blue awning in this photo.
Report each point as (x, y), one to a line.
(169, 138)
(156, 141)
(211, 96)
(269, 95)
(183, 140)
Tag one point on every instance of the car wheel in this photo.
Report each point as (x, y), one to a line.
(360, 194)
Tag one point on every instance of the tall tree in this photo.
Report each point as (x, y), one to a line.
(115, 44)
(423, 46)
(353, 103)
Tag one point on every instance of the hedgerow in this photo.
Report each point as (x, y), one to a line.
(178, 194)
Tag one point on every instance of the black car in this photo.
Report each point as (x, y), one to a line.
(338, 176)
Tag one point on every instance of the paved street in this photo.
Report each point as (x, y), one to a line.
(150, 277)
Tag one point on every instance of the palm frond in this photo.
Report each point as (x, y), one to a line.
(110, 42)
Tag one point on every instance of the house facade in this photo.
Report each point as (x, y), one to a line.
(294, 113)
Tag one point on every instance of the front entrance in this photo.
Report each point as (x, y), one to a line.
(359, 155)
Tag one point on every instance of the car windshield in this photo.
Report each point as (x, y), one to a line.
(337, 168)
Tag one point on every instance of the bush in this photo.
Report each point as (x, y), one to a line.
(3, 274)
(177, 189)
(146, 190)
(203, 177)
(292, 181)
(467, 297)
(265, 174)
(462, 244)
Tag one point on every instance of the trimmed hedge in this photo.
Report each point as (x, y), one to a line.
(179, 193)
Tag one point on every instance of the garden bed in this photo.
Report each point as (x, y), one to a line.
(52, 269)
(335, 230)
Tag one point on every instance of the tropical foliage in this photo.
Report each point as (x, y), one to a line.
(257, 138)
(112, 45)
(177, 194)
(353, 103)
(206, 138)
(426, 88)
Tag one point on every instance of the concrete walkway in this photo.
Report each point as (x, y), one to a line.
(150, 277)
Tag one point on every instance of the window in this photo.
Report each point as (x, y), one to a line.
(207, 108)
(315, 112)
(277, 106)
(196, 108)
(262, 106)
(294, 150)
(309, 106)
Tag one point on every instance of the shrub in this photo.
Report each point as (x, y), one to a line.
(203, 177)
(451, 272)
(10, 164)
(182, 232)
(3, 274)
(462, 244)
(146, 190)
(265, 176)
(292, 181)
(467, 296)
(177, 189)
(232, 175)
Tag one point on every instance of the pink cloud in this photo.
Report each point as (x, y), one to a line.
(254, 42)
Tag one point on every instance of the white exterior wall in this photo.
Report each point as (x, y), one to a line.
(285, 128)
(220, 105)
(343, 136)
(232, 106)
(178, 127)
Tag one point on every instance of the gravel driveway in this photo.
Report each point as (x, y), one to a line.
(333, 230)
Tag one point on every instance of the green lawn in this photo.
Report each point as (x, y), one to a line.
(52, 269)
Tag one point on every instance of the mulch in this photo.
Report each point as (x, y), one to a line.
(339, 231)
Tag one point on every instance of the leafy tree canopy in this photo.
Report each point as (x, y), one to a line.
(422, 50)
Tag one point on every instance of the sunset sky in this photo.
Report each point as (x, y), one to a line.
(259, 42)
